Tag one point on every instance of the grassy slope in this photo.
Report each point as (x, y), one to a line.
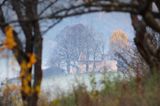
(135, 92)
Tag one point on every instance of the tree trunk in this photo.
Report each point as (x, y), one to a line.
(146, 46)
(37, 74)
(38, 45)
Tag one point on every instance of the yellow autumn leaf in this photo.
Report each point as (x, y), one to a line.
(24, 68)
(28, 78)
(26, 89)
(22, 73)
(29, 65)
(37, 89)
(32, 60)
(9, 41)
(25, 82)
(23, 65)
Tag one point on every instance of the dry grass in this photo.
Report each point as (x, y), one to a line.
(135, 92)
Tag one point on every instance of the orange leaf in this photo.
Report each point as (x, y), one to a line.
(32, 60)
(9, 41)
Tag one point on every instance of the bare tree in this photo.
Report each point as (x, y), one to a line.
(75, 41)
(126, 54)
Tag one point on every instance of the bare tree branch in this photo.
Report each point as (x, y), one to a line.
(84, 9)
(3, 2)
(51, 26)
(46, 8)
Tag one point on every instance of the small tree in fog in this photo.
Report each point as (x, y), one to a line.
(126, 53)
(75, 41)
